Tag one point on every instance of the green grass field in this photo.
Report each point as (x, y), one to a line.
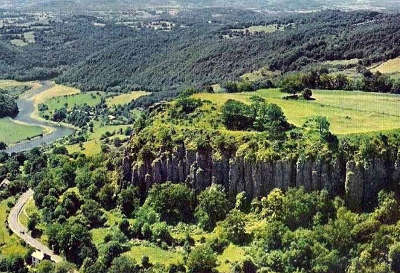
(89, 98)
(156, 255)
(9, 244)
(349, 112)
(11, 132)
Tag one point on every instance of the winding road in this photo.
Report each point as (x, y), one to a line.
(22, 232)
(27, 109)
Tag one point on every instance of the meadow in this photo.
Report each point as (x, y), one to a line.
(12, 132)
(77, 99)
(348, 112)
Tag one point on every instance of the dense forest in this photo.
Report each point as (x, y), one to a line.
(8, 106)
(198, 50)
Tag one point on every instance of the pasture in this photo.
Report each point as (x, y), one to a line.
(349, 112)
(12, 132)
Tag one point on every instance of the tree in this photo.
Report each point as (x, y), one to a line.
(106, 196)
(394, 256)
(8, 106)
(292, 84)
(201, 260)
(236, 115)
(92, 211)
(234, 227)
(174, 202)
(270, 117)
(3, 146)
(123, 264)
(230, 87)
(45, 267)
(212, 207)
(319, 124)
(307, 94)
(33, 220)
(112, 250)
(128, 200)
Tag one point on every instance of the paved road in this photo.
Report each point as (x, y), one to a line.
(22, 232)
(26, 108)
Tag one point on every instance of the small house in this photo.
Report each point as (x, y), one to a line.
(39, 256)
(4, 183)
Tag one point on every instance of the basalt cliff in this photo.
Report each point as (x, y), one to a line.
(359, 181)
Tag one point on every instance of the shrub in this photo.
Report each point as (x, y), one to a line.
(201, 260)
(234, 227)
(213, 207)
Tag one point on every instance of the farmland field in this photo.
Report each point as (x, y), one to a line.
(389, 67)
(125, 98)
(55, 91)
(11, 83)
(12, 132)
(348, 112)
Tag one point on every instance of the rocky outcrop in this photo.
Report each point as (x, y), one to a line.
(359, 181)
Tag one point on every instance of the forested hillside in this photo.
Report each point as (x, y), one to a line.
(282, 5)
(202, 47)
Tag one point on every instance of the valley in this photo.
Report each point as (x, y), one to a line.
(199, 136)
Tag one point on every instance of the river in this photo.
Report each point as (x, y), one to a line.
(26, 109)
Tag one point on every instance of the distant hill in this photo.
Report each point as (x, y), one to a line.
(278, 5)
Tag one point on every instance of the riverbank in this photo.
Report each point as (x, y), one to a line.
(28, 115)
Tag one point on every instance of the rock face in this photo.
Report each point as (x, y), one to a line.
(359, 181)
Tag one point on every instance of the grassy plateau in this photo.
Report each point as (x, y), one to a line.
(349, 112)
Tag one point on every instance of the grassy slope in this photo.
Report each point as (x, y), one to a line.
(9, 244)
(125, 98)
(93, 145)
(348, 112)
